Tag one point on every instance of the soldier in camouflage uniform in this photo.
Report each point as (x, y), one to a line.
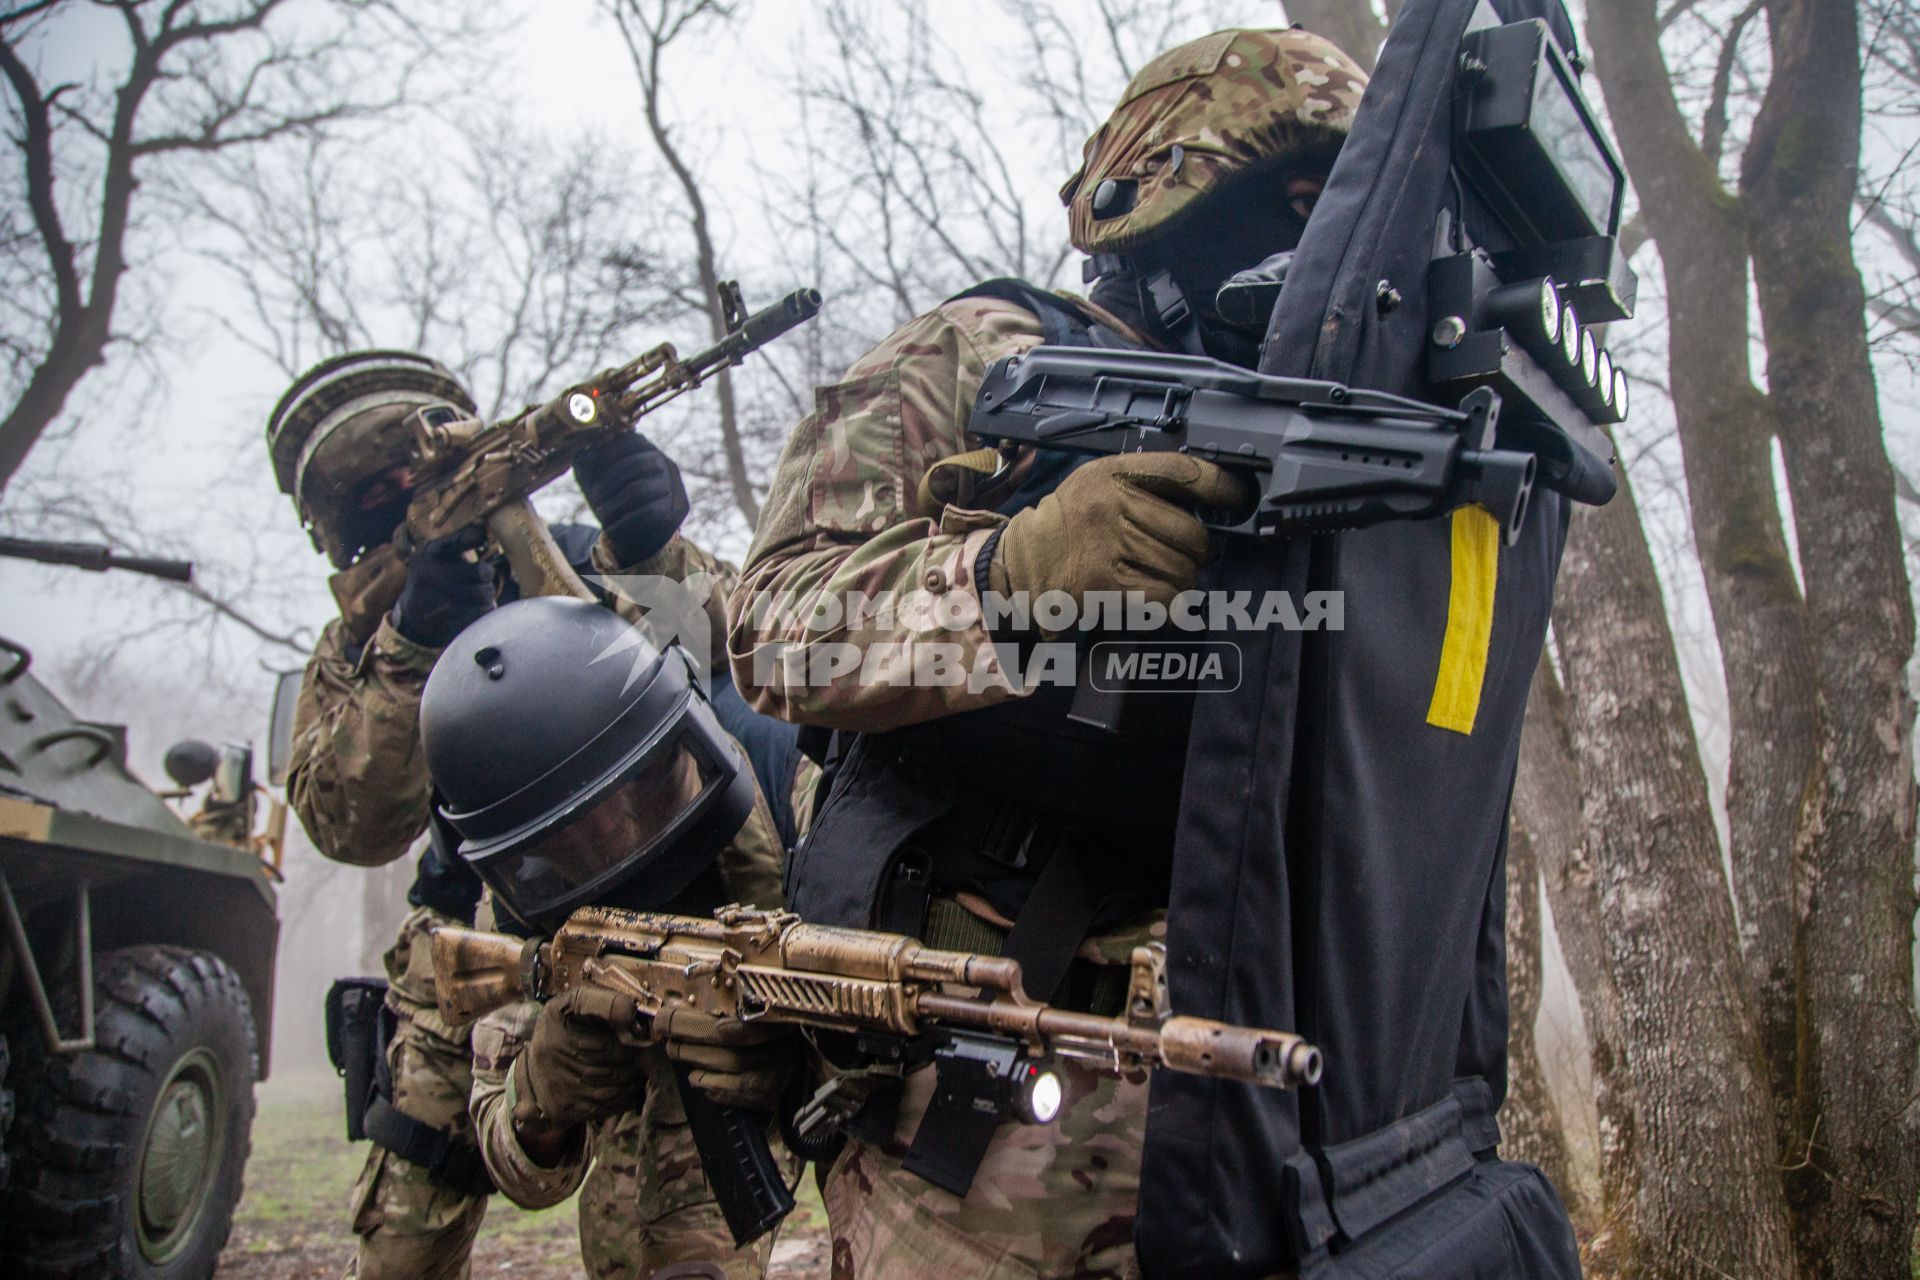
(359, 782)
(565, 1087)
(1210, 164)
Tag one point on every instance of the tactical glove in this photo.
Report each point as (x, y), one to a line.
(583, 1062)
(635, 492)
(736, 1064)
(1120, 523)
(444, 591)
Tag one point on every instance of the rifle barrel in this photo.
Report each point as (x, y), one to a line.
(758, 329)
(94, 557)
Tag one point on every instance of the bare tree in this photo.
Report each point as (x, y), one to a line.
(192, 81)
(519, 259)
(649, 28)
(920, 164)
(1820, 801)
(522, 262)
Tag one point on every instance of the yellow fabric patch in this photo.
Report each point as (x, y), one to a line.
(23, 820)
(1463, 655)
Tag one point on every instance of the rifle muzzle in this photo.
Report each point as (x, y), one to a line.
(1275, 1059)
(790, 312)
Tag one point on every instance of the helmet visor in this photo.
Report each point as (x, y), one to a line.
(615, 837)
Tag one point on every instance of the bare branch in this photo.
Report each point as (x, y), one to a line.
(1713, 133)
(1676, 11)
(37, 147)
(648, 32)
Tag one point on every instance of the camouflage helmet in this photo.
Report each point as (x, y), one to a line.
(342, 423)
(1200, 115)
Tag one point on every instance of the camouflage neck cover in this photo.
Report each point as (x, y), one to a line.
(1199, 115)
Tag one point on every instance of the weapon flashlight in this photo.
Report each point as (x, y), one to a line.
(1038, 1093)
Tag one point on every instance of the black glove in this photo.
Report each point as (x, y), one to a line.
(635, 492)
(444, 590)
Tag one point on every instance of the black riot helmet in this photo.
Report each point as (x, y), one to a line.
(577, 762)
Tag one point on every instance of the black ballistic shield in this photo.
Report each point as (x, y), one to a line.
(1340, 861)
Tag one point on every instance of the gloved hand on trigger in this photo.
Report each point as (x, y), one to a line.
(636, 493)
(736, 1064)
(1119, 523)
(444, 590)
(583, 1062)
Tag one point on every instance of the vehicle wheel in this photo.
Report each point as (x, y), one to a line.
(128, 1159)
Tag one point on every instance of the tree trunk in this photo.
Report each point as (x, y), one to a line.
(1530, 1127)
(1708, 1202)
(1546, 801)
(1726, 433)
(646, 65)
(1854, 1167)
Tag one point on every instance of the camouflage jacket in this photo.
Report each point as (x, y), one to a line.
(853, 509)
(498, 1039)
(357, 776)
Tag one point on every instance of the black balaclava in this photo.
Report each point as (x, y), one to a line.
(1245, 222)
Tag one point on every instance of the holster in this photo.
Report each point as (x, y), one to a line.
(360, 1027)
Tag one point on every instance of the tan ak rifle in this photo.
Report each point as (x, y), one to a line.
(769, 966)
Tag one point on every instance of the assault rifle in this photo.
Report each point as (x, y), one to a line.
(1322, 455)
(468, 472)
(945, 1006)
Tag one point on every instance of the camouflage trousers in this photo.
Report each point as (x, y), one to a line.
(1048, 1200)
(409, 1227)
(646, 1203)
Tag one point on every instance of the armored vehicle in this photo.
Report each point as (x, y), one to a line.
(136, 991)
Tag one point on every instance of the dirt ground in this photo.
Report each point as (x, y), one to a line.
(292, 1221)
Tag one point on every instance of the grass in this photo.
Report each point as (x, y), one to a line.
(292, 1222)
(299, 1187)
